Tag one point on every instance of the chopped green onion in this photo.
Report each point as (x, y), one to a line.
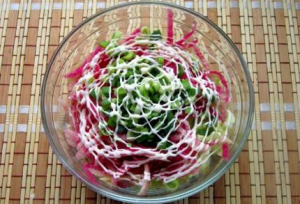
(172, 185)
(105, 91)
(121, 92)
(117, 35)
(93, 94)
(133, 107)
(156, 86)
(188, 110)
(112, 121)
(202, 130)
(146, 30)
(130, 81)
(155, 98)
(156, 35)
(129, 56)
(130, 134)
(154, 114)
(191, 92)
(111, 69)
(186, 84)
(129, 73)
(160, 60)
(115, 81)
(164, 145)
(105, 104)
(180, 71)
(175, 104)
(104, 43)
(121, 61)
(154, 72)
(143, 91)
(96, 93)
(103, 132)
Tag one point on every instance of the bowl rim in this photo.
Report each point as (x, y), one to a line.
(164, 198)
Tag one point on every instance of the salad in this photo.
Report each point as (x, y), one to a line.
(146, 111)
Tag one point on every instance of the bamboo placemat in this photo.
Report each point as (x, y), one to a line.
(266, 32)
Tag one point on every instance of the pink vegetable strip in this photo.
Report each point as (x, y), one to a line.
(72, 137)
(79, 71)
(201, 57)
(225, 151)
(224, 83)
(76, 72)
(86, 169)
(133, 34)
(187, 36)
(170, 26)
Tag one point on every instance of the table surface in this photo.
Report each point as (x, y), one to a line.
(267, 34)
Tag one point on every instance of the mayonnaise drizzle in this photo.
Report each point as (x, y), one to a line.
(89, 136)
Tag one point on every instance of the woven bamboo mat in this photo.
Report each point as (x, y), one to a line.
(267, 33)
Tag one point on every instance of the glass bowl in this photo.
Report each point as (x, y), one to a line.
(125, 18)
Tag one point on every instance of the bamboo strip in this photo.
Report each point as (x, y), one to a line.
(258, 193)
(13, 99)
(275, 88)
(292, 33)
(29, 168)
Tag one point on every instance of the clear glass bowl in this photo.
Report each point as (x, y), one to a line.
(125, 18)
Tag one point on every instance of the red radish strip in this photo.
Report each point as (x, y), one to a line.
(191, 44)
(135, 33)
(170, 26)
(187, 36)
(222, 113)
(72, 137)
(96, 172)
(224, 83)
(79, 71)
(89, 174)
(81, 153)
(201, 57)
(225, 151)
(76, 72)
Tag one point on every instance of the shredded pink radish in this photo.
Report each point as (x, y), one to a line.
(72, 137)
(135, 33)
(225, 151)
(170, 26)
(187, 36)
(201, 57)
(76, 72)
(89, 173)
(224, 83)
